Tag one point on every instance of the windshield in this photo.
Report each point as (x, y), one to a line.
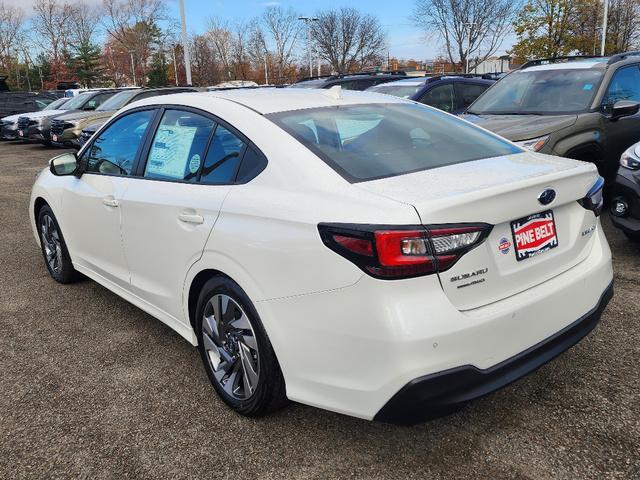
(397, 89)
(365, 142)
(56, 104)
(309, 84)
(540, 92)
(76, 102)
(118, 101)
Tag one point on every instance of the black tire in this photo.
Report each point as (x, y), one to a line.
(269, 395)
(61, 271)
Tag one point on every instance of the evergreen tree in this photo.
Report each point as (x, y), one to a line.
(157, 75)
(86, 64)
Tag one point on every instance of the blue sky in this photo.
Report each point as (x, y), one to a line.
(405, 40)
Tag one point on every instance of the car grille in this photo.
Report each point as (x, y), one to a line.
(24, 122)
(59, 126)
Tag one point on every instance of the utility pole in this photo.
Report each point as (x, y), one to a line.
(308, 21)
(185, 44)
(604, 27)
(266, 73)
(133, 70)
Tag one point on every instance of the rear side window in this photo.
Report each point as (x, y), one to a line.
(252, 164)
(223, 157)
(468, 92)
(178, 146)
(440, 97)
(366, 142)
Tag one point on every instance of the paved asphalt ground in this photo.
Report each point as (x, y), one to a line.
(92, 387)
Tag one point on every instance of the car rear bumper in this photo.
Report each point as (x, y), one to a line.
(441, 393)
(353, 349)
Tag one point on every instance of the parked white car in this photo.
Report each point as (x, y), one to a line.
(357, 252)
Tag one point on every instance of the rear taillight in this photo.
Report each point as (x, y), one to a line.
(391, 252)
(594, 199)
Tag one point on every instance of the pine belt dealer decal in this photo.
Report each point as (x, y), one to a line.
(504, 246)
(534, 235)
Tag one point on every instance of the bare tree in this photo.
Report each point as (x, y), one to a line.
(283, 29)
(11, 23)
(220, 38)
(470, 29)
(623, 30)
(51, 24)
(347, 39)
(84, 21)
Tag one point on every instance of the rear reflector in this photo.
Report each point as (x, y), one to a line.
(402, 252)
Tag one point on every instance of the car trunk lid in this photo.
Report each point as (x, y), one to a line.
(499, 191)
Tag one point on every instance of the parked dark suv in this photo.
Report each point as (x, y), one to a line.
(12, 103)
(451, 93)
(577, 107)
(353, 81)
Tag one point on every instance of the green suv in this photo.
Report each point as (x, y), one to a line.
(584, 108)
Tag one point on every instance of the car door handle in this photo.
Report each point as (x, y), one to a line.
(110, 202)
(191, 218)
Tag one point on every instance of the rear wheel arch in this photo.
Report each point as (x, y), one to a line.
(195, 288)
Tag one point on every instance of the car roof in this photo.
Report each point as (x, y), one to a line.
(272, 100)
(578, 64)
(416, 81)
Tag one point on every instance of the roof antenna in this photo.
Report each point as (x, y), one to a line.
(334, 92)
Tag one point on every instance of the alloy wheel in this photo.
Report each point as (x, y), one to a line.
(231, 346)
(51, 242)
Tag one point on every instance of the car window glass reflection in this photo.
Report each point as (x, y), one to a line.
(114, 151)
(223, 157)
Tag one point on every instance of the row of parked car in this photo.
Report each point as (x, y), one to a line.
(69, 121)
(585, 108)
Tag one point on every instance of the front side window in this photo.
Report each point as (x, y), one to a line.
(114, 151)
(366, 142)
(440, 97)
(625, 85)
(223, 157)
(179, 146)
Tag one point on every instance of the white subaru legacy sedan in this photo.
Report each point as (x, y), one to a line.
(357, 252)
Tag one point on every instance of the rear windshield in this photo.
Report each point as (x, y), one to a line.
(366, 142)
(397, 89)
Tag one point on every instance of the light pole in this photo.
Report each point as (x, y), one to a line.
(185, 44)
(604, 27)
(468, 35)
(308, 21)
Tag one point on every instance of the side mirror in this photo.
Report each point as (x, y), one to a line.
(65, 164)
(624, 108)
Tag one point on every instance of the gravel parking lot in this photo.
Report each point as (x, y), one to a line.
(92, 387)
